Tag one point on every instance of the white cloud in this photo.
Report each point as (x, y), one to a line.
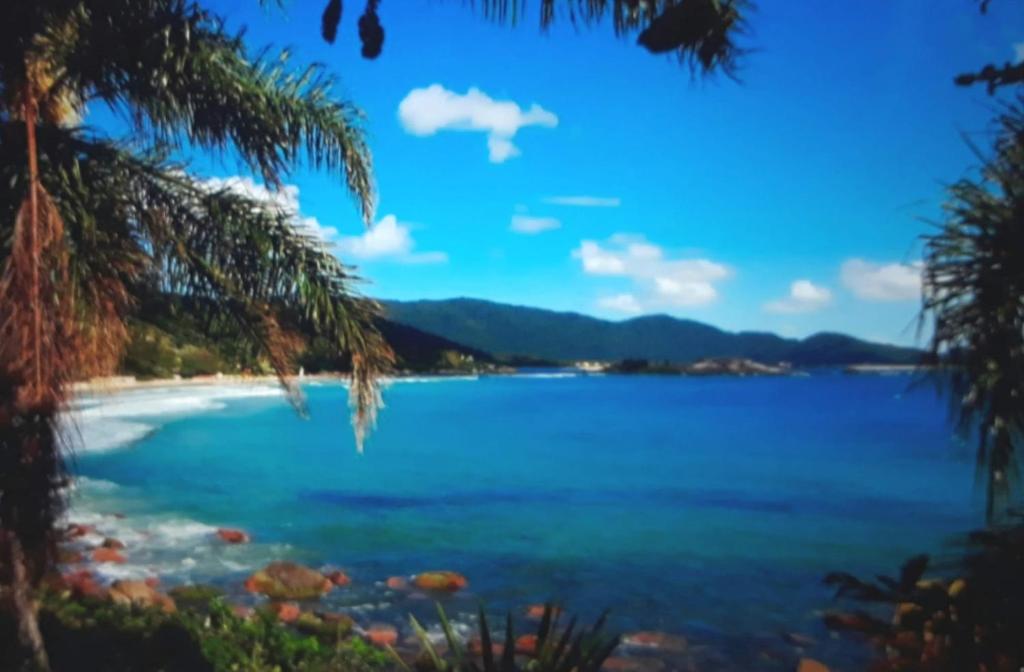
(530, 226)
(388, 239)
(428, 110)
(621, 303)
(804, 297)
(585, 201)
(664, 282)
(285, 199)
(882, 282)
(1018, 52)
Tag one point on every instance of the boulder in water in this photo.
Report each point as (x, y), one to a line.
(288, 581)
(397, 583)
(811, 665)
(441, 581)
(232, 536)
(115, 544)
(107, 555)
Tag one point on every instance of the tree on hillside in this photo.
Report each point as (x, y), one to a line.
(87, 221)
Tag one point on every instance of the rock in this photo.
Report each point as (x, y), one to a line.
(232, 536)
(441, 581)
(382, 635)
(83, 584)
(339, 578)
(286, 612)
(76, 531)
(115, 544)
(152, 581)
(288, 581)
(138, 594)
(526, 645)
(811, 665)
(651, 639)
(536, 611)
(397, 583)
(476, 647)
(107, 555)
(69, 556)
(616, 664)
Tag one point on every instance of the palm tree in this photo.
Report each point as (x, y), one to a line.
(88, 223)
(974, 294)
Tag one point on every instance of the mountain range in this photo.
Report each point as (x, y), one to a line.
(519, 332)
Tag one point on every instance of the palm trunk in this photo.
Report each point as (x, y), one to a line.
(26, 610)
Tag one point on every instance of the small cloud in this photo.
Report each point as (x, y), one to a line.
(621, 303)
(285, 200)
(388, 239)
(429, 110)
(882, 282)
(585, 201)
(530, 226)
(664, 281)
(804, 297)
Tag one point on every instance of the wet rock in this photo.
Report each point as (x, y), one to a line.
(152, 581)
(382, 635)
(397, 583)
(288, 581)
(232, 536)
(536, 611)
(107, 555)
(115, 544)
(286, 612)
(617, 664)
(339, 578)
(651, 639)
(441, 581)
(77, 531)
(83, 584)
(69, 556)
(526, 645)
(811, 665)
(139, 594)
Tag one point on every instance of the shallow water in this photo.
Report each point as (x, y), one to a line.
(709, 507)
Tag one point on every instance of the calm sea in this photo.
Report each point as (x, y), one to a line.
(707, 507)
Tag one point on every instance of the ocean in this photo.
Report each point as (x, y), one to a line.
(710, 507)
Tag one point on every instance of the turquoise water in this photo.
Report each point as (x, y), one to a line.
(710, 507)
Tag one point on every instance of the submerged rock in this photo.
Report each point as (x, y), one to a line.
(397, 583)
(441, 581)
(288, 581)
(661, 641)
(139, 594)
(232, 536)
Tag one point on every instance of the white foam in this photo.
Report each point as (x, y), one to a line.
(110, 421)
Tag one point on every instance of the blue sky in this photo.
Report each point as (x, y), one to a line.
(574, 171)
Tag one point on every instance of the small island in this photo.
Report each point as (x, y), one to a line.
(711, 366)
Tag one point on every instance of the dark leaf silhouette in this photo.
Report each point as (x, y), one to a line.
(330, 20)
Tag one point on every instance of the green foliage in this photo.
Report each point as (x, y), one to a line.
(555, 649)
(98, 635)
(971, 620)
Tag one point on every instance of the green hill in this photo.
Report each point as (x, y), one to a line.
(507, 330)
